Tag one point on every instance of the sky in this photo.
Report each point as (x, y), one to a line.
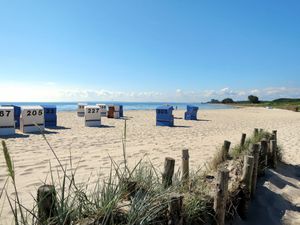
(149, 50)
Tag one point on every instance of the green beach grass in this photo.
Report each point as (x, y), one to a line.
(133, 196)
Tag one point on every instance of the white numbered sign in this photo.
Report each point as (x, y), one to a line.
(103, 109)
(32, 119)
(7, 121)
(92, 116)
(80, 109)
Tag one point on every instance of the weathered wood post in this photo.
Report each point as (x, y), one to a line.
(261, 130)
(175, 210)
(246, 181)
(168, 172)
(263, 157)
(274, 133)
(221, 194)
(255, 153)
(46, 199)
(273, 147)
(185, 165)
(247, 171)
(255, 132)
(243, 139)
(225, 149)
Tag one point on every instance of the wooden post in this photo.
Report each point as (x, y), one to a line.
(225, 149)
(168, 172)
(274, 132)
(246, 181)
(261, 130)
(46, 199)
(256, 132)
(185, 165)
(221, 194)
(243, 139)
(255, 153)
(247, 171)
(273, 137)
(273, 147)
(175, 210)
(263, 157)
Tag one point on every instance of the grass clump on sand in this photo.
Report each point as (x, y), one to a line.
(128, 196)
(238, 150)
(131, 197)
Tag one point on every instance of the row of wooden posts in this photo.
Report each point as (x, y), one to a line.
(261, 156)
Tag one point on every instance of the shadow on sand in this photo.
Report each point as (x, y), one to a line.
(59, 128)
(44, 132)
(106, 126)
(14, 136)
(202, 120)
(182, 126)
(268, 207)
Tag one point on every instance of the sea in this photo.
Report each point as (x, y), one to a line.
(72, 106)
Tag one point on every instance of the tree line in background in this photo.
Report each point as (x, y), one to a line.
(292, 104)
(251, 98)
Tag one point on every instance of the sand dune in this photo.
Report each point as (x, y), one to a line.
(91, 148)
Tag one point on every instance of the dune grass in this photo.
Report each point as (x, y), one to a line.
(128, 196)
(237, 151)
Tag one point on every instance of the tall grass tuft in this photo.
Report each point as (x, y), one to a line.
(239, 150)
(11, 173)
(8, 160)
(127, 196)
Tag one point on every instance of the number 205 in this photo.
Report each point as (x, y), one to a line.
(34, 112)
(4, 113)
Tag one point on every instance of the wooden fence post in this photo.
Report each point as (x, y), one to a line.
(221, 194)
(261, 130)
(273, 147)
(274, 132)
(185, 165)
(175, 210)
(225, 149)
(255, 132)
(247, 171)
(243, 139)
(255, 153)
(263, 157)
(246, 181)
(168, 172)
(46, 199)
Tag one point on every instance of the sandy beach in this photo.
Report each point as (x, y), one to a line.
(91, 148)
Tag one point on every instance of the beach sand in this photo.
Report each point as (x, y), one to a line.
(91, 148)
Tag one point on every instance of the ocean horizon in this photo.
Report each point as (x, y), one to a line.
(72, 106)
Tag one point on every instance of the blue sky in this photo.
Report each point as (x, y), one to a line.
(149, 50)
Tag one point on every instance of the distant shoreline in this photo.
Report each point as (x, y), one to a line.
(72, 106)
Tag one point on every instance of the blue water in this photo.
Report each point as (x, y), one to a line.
(72, 106)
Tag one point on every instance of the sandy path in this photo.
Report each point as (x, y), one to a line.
(93, 146)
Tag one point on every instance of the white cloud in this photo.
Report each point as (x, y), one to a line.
(264, 93)
(255, 92)
(51, 92)
(50, 83)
